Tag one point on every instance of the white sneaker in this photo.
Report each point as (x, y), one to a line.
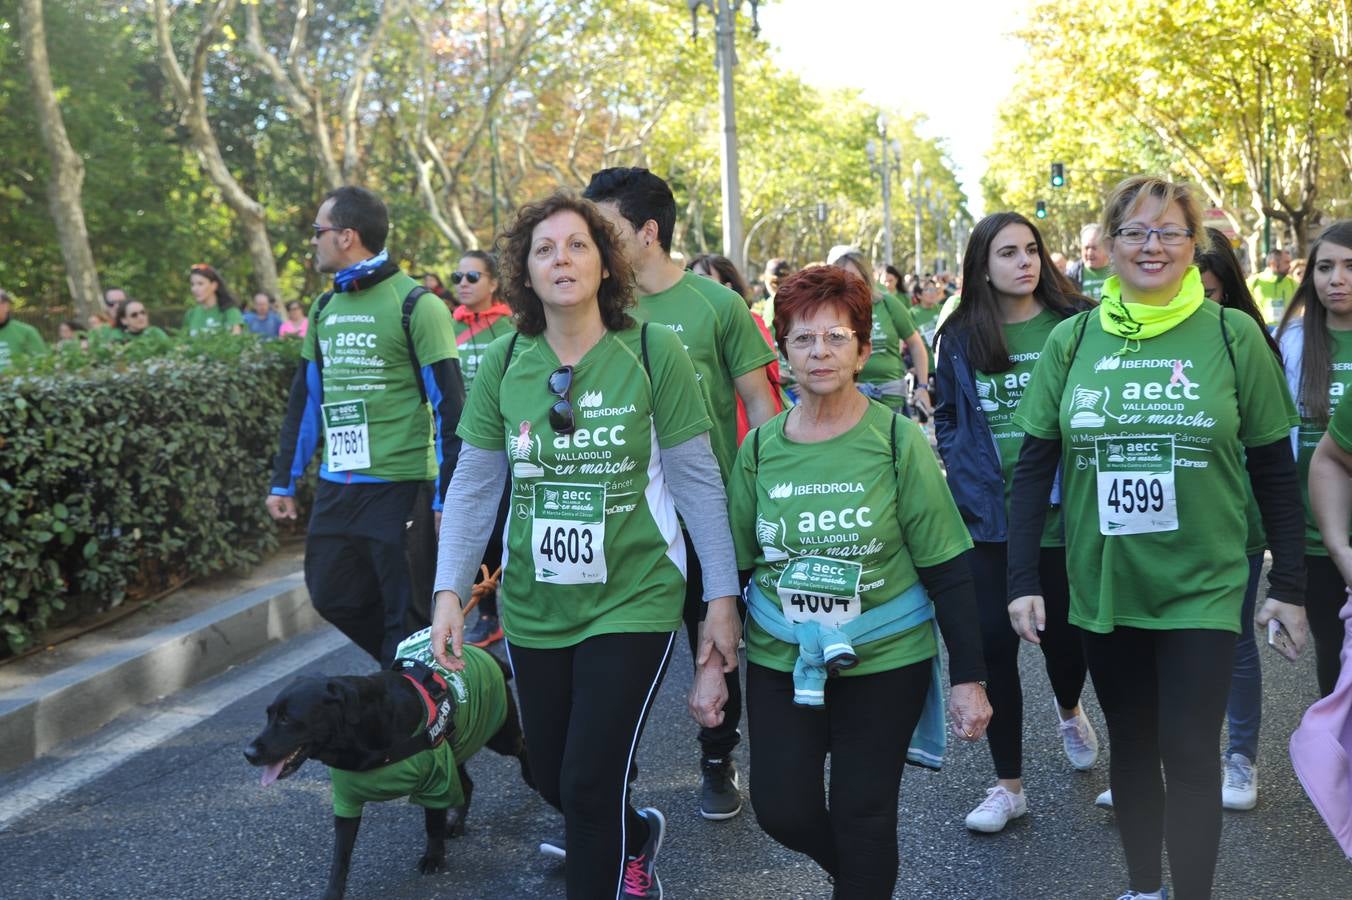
(1105, 799)
(1240, 788)
(1079, 739)
(996, 810)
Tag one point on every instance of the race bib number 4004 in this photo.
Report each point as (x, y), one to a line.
(347, 436)
(1136, 484)
(820, 589)
(568, 533)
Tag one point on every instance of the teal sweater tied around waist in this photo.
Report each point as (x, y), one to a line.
(823, 649)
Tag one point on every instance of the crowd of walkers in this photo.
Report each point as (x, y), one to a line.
(843, 471)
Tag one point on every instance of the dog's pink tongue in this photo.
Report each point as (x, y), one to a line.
(271, 772)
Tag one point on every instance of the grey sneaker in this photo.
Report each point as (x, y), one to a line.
(554, 848)
(720, 797)
(640, 875)
(1079, 740)
(1240, 788)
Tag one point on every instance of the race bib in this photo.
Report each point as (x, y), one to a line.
(1136, 484)
(820, 589)
(568, 533)
(347, 436)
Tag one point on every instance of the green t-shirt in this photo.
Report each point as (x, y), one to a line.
(999, 394)
(947, 309)
(1167, 420)
(593, 543)
(723, 341)
(430, 779)
(1310, 431)
(926, 319)
(1091, 281)
(1272, 293)
(472, 339)
(369, 377)
(892, 324)
(836, 502)
(200, 320)
(1340, 426)
(19, 339)
(150, 332)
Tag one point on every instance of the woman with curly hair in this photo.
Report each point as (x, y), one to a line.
(601, 422)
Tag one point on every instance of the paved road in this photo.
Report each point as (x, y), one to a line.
(186, 817)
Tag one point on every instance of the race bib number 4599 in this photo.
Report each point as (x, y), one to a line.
(1136, 485)
(568, 533)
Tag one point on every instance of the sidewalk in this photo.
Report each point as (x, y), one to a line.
(199, 631)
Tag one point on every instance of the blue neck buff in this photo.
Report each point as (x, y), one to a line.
(344, 280)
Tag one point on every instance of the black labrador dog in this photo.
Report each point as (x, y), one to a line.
(392, 735)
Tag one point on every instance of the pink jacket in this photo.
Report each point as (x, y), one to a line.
(1321, 748)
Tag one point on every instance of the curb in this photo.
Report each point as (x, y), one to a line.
(83, 698)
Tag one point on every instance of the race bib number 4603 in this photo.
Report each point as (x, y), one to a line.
(568, 533)
(347, 437)
(1136, 484)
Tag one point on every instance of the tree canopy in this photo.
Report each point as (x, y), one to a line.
(210, 129)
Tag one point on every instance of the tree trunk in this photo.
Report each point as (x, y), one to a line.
(67, 176)
(190, 100)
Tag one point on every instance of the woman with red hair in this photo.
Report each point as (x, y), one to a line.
(853, 549)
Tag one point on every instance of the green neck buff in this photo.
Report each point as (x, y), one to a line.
(1140, 321)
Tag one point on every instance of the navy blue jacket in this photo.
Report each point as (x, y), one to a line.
(967, 444)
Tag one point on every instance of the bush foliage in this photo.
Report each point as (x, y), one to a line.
(127, 467)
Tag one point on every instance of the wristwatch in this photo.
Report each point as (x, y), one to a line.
(922, 387)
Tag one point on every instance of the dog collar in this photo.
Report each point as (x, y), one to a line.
(434, 691)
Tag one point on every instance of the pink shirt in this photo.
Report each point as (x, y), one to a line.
(291, 329)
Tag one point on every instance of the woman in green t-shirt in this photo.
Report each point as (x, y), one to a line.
(1316, 342)
(607, 437)
(892, 334)
(1155, 405)
(132, 321)
(986, 354)
(844, 527)
(216, 309)
(1223, 281)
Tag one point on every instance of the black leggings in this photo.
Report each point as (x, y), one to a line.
(866, 728)
(719, 741)
(1325, 594)
(583, 709)
(1062, 652)
(1164, 694)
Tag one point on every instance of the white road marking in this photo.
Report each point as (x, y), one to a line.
(194, 707)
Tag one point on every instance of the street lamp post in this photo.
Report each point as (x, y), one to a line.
(726, 58)
(884, 158)
(920, 196)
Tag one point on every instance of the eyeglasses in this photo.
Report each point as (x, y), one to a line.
(561, 413)
(836, 336)
(138, 314)
(1168, 236)
(471, 277)
(320, 229)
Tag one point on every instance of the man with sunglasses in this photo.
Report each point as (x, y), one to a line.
(730, 358)
(379, 383)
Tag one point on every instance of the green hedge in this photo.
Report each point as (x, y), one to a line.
(126, 467)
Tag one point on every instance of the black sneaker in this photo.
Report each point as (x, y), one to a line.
(485, 630)
(719, 796)
(640, 875)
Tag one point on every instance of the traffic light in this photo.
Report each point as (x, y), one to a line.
(1058, 175)
(1041, 209)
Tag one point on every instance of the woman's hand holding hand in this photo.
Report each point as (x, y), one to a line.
(709, 693)
(969, 709)
(720, 633)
